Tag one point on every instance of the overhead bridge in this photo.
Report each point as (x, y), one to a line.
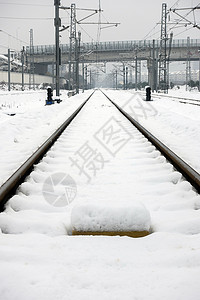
(118, 51)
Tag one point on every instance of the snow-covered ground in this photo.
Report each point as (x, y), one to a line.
(41, 260)
(176, 124)
(26, 123)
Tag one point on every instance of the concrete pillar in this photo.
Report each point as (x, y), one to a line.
(41, 69)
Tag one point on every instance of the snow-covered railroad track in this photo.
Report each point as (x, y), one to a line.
(112, 164)
(192, 176)
(175, 98)
(188, 172)
(11, 185)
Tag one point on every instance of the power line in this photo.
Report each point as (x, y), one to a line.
(13, 37)
(22, 18)
(177, 23)
(148, 34)
(183, 31)
(11, 48)
(184, 18)
(24, 4)
(175, 4)
(92, 39)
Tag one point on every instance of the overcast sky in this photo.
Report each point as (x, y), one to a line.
(137, 19)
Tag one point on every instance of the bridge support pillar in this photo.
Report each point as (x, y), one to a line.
(152, 73)
(41, 69)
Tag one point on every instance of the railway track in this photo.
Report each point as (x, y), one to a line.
(188, 172)
(175, 98)
(48, 155)
(10, 186)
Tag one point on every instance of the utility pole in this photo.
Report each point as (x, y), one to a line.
(188, 66)
(163, 51)
(78, 42)
(139, 73)
(90, 78)
(131, 76)
(72, 75)
(136, 72)
(168, 59)
(32, 68)
(199, 69)
(153, 67)
(83, 77)
(53, 72)
(156, 70)
(126, 80)
(22, 61)
(73, 44)
(116, 79)
(86, 77)
(57, 24)
(9, 69)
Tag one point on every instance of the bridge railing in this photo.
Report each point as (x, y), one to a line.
(113, 46)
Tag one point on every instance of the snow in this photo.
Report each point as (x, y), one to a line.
(31, 124)
(159, 266)
(176, 124)
(112, 216)
(39, 257)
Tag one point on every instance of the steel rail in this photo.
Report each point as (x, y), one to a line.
(9, 187)
(188, 172)
(174, 98)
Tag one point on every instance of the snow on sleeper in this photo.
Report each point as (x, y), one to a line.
(113, 218)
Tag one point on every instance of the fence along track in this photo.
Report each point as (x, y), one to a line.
(188, 172)
(9, 187)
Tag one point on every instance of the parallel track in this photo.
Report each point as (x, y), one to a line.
(10, 186)
(175, 98)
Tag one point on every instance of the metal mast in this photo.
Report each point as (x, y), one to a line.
(57, 24)
(163, 51)
(22, 60)
(73, 44)
(136, 71)
(9, 69)
(188, 65)
(31, 69)
(139, 74)
(77, 58)
(168, 58)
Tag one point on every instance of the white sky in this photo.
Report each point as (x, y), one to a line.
(137, 19)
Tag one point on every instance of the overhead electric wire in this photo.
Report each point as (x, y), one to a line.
(175, 4)
(13, 36)
(92, 39)
(25, 4)
(184, 16)
(149, 35)
(177, 23)
(183, 31)
(22, 18)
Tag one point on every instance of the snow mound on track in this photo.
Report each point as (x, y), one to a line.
(110, 216)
